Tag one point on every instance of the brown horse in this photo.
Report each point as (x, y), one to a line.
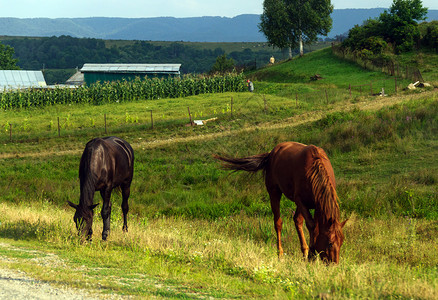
(304, 175)
(106, 163)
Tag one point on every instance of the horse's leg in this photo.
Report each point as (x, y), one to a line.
(299, 219)
(126, 190)
(311, 227)
(304, 213)
(106, 212)
(275, 196)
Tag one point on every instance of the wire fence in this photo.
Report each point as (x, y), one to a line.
(380, 63)
(161, 119)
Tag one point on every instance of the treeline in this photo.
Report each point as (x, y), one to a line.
(66, 52)
(395, 31)
(372, 39)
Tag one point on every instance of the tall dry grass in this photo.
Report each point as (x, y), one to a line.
(394, 258)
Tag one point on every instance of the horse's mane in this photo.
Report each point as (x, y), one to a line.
(86, 178)
(323, 189)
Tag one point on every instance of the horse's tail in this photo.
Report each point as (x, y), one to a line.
(86, 177)
(323, 188)
(250, 164)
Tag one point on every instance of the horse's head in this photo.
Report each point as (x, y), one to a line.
(328, 241)
(83, 218)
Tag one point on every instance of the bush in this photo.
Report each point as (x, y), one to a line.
(375, 44)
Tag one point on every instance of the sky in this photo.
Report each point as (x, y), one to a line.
(156, 8)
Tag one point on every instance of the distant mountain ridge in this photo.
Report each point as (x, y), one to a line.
(242, 28)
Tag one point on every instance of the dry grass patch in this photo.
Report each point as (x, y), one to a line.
(380, 258)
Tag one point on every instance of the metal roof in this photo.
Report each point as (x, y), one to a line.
(18, 79)
(131, 68)
(76, 79)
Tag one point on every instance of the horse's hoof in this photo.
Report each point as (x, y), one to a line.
(105, 235)
(125, 229)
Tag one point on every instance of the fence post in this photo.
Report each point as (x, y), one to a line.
(190, 116)
(59, 129)
(371, 88)
(395, 80)
(326, 96)
(104, 117)
(152, 121)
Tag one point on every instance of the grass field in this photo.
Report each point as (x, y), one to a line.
(196, 231)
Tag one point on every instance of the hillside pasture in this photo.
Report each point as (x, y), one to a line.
(196, 231)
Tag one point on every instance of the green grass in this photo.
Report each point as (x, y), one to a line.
(197, 231)
(179, 175)
(425, 60)
(334, 70)
(290, 78)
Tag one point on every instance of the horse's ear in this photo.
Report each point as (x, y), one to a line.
(93, 206)
(343, 223)
(75, 206)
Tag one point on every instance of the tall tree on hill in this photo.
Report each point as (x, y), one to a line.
(400, 23)
(291, 23)
(7, 60)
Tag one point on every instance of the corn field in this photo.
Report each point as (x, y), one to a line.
(122, 91)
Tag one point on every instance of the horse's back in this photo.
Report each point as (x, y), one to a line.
(291, 158)
(289, 165)
(122, 149)
(110, 160)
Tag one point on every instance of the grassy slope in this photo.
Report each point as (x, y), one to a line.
(427, 63)
(291, 77)
(197, 231)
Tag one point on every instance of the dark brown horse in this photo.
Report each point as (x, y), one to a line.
(304, 175)
(106, 163)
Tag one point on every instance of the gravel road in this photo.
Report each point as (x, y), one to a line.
(16, 285)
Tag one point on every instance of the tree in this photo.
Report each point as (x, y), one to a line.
(400, 23)
(430, 34)
(222, 65)
(291, 23)
(362, 37)
(7, 60)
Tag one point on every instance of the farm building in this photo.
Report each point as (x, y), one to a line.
(112, 72)
(76, 79)
(18, 79)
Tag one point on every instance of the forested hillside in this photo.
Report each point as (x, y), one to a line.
(66, 52)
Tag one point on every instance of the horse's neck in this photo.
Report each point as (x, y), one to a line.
(323, 221)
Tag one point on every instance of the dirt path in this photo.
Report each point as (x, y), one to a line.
(17, 285)
(373, 105)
